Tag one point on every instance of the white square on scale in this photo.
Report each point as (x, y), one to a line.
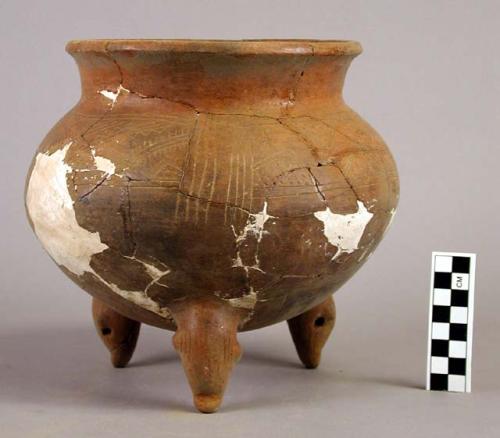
(458, 315)
(440, 330)
(456, 383)
(458, 349)
(443, 264)
(439, 365)
(442, 297)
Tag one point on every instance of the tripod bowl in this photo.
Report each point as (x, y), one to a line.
(224, 176)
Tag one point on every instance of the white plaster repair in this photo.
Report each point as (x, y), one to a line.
(238, 263)
(344, 230)
(155, 273)
(255, 225)
(113, 95)
(103, 164)
(51, 210)
(254, 228)
(247, 301)
(138, 297)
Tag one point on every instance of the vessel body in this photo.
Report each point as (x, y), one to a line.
(232, 172)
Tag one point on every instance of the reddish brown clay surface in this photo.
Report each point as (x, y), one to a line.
(206, 341)
(209, 180)
(117, 332)
(310, 331)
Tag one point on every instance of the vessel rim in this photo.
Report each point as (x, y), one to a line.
(229, 47)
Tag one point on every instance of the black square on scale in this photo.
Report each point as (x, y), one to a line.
(461, 265)
(441, 314)
(456, 366)
(439, 347)
(458, 332)
(459, 298)
(439, 382)
(442, 280)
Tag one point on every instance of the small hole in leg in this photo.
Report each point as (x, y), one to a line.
(106, 331)
(319, 321)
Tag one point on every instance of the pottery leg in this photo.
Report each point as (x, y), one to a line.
(118, 333)
(206, 342)
(311, 329)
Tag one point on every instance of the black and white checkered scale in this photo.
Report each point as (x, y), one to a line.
(449, 326)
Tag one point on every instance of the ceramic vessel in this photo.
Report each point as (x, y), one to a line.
(210, 187)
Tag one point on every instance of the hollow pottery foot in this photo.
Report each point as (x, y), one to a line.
(118, 333)
(310, 331)
(206, 342)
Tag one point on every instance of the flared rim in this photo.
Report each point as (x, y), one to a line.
(233, 47)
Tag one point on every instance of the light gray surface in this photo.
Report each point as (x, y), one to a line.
(428, 82)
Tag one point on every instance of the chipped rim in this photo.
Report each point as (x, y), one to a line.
(231, 47)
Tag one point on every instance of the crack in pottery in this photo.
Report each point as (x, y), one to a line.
(253, 228)
(247, 301)
(113, 95)
(51, 210)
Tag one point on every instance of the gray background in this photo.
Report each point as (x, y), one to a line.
(428, 81)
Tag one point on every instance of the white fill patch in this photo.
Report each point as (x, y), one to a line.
(138, 297)
(254, 228)
(155, 273)
(51, 210)
(255, 225)
(245, 302)
(344, 230)
(113, 95)
(103, 164)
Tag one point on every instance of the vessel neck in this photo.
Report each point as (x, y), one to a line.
(260, 84)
